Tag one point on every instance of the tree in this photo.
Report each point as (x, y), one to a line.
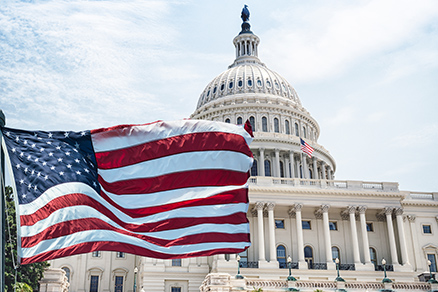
(27, 274)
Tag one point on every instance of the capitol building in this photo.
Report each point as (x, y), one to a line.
(302, 219)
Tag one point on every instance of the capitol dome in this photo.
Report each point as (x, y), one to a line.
(249, 90)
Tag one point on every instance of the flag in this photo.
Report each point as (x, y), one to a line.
(306, 148)
(163, 190)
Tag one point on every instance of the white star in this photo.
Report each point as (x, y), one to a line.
(26, 170)
(33, 172)
(8, 134)
(21, 181)
(49, 142)
(78, 172)
(24, 196)
(13, 150)
(68, 165)
(33, 145)
(50, 154)
(25, 142)
(77, 160)
(60, 159)
(67, 153)
(94, 183)
(66, 134)
(36, 159)
(41, 149)
(83, 133)
(52, 168)
(58, 147)
(35, 188)
(38, 174)
(86, 170)
(77, 145)
(46, 177)
(29, 186)
(61, 173)
(28, 157)
(18, 166)
(44, 163)
(17, 139)
(50, 135)
(21, 154)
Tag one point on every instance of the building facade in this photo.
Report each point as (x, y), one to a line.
(297, 207)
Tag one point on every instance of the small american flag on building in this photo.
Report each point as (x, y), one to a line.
(162, 190)
(306, 148)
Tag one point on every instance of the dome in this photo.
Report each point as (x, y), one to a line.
(248, 77)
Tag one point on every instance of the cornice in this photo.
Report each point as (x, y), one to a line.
(422, 203)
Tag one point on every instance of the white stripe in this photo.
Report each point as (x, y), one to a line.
(136, 135)
(228, 160)
(80, 212)
(143, 200)
(106, 235)
(168, 197)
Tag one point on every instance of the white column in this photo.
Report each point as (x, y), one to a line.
(300, 241)
(262, 161)
(327, 238)
(304, 165)
(277, 162)
(391, 236)
(323, 175)
(352, 213)
(415, 244)
(365, 242)
(287, 173)
(261, 236)
(315, 169)
(292, 164)
(272, 247)
(402, 236)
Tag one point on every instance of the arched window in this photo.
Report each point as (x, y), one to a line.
(286, 127)
(264, 124)
(227, 121)
(281, 256)
(335, 253)
(304, 133)
(373, 256)
(308, 256)
(67, 273)
(297, 131)
(252, 122)
(276, 126)
(281, 169)
(239, 120)
(254, 168)
(267, 168)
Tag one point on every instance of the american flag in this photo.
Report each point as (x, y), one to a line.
(306, 148)
(163, 190)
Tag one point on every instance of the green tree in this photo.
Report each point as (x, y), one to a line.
(27, 274)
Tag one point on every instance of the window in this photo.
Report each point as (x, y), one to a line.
(222, 87)
(370, 227)
(118, 284)
(373, 256)
(279, 224)
(252, 122)
(175, 289)
(227, 121)
(254, 168)
(259, 83)
(297, 131)
(333, 225)
(249, 82)
(286, 127)
(306, 224)
(267, 168)
(67, 273)
(427, 229)
(268, 83)
(120, 254)
(214, 89)
(239, 120)
(96, 254)
(176, 262)
(335, 253)
(264, 124)
(94, 283)
(281, 255)
(240, 83)
(308, 256)
(276, 126)
(230, 85)
(281, 169)
(432, 259)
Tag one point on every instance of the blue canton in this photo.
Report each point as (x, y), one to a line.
(41, 160)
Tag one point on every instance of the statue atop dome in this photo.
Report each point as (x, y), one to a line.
(246, 27)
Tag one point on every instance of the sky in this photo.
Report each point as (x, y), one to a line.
(366, 70)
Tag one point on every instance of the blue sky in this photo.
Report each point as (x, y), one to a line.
(367, 71)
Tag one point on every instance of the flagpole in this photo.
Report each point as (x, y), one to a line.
(2, 216)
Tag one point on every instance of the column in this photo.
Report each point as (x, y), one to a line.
(352, 214)
(261, 236)
(417, 251)
(327, 238)
(262, 162)
(365, 241)
(391, 236)
(277, 163)
(304, 165)
(323, 175)
(287, 173)
(292, 164)
(402, 236)
(315, 169)
(300, 241)
(272, 247)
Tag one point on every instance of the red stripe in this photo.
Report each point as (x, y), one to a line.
(118, 127)
(127, 248)
(205, 141)
(231, 197)
(70, 227)
(178, 180)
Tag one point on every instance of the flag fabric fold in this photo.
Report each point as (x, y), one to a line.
(164, 190)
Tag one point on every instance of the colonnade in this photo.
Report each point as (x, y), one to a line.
(293, 162)
(322, 212)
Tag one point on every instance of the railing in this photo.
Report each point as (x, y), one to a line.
(347, 267)
(251, 265)
(285, 265)
(331, 184)
(389, 268)
(317, 266)
(423, 196)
